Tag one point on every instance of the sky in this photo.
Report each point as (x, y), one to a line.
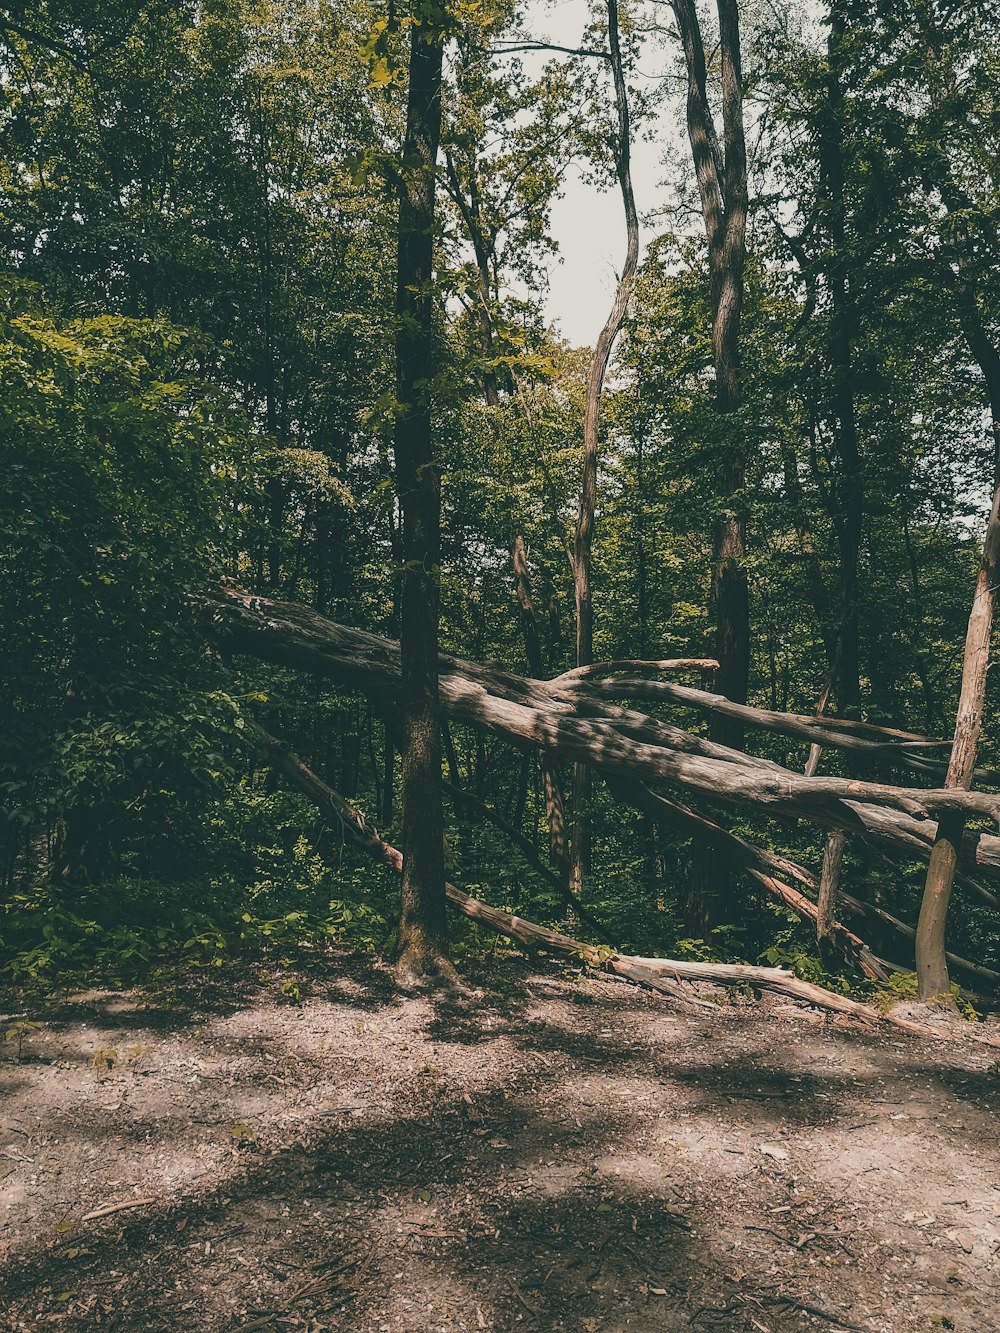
(587, 222)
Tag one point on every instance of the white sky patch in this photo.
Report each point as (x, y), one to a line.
(589, 222)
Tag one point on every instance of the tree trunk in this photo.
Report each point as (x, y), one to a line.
(555, 809)
(584, 536)
(423, 933)
(722, 186)
(849, 491)
(829, 883)
(932, 965)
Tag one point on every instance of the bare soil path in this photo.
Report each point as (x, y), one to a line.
(549, 1153)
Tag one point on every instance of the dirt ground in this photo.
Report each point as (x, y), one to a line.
(548, 1153)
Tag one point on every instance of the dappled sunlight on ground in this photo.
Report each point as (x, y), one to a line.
(545, 1153)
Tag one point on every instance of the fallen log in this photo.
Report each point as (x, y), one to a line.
(763, 867)
(658, 974)
(533, 714)
(801, 727)
(297, 636)
(769, 870)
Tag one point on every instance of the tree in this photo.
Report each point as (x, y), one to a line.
(120, 470)
(721, 175)
(423, 929)
(621, 149)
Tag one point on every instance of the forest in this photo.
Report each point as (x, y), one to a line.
(387, 656)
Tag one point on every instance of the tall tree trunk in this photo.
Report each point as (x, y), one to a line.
(849, 490)
(932, 965)
(423, 932)
(584, 536)
(721, 174)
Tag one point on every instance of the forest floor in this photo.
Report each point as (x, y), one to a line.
(547, 1153)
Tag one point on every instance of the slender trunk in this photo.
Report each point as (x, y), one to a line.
(721, 174)
(727, 256)
(849, 490)
(829, 883)
(833, 858)
(423, 932)
(586, 513)
(388, 778)
(932, 965)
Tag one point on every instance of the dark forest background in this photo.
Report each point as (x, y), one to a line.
(198, 213)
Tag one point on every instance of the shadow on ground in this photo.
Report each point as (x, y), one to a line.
(537, 1155)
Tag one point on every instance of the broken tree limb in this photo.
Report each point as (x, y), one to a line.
(663, 975)
(338, 810)
(527, 714)
(809, 729)
(771, 871)
(764, 867)
(596, 670)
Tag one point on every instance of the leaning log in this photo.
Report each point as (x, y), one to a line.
(795, 726)
(614, 741)
(662, 975)
(767, 869)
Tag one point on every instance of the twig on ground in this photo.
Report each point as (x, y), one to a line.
(110, 1208)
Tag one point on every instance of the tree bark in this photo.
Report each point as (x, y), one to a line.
(658, 974)
(586, 512)
(932, 965)
(423, 932)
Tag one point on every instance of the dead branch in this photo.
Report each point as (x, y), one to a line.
(612, 741)
(803, 727)
(595, 670)
(658, 974)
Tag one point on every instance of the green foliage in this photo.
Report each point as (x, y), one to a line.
(130, 931)
(901, 988)
(787, 951)
(197, 212)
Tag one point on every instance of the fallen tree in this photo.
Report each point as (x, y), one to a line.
(617, 742)
(662, 975)
(771, 870)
